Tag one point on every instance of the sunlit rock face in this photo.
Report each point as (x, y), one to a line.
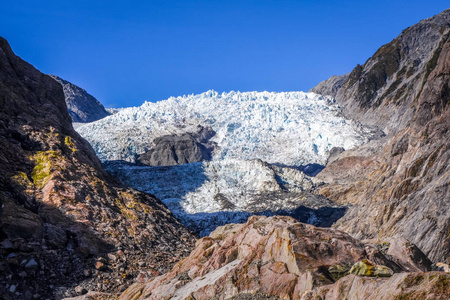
(280, 258)
(402, 180)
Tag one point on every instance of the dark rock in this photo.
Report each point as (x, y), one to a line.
(56, 201)
(32, 265)
(82, 106)
(6, 244)
(173, 150)
(55, 236)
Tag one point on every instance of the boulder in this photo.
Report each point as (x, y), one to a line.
(368, 268)
(268, 256)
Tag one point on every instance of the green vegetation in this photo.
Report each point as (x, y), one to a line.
(42, 171)
(22, 179)
(70, 144)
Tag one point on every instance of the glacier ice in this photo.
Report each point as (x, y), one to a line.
(290, 128)
(262, 138)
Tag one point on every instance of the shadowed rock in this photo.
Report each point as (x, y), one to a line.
(60, 212)
(173, 150)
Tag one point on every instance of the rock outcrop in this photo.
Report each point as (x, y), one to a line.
(430, 285)
(171, 150)
(281, 258)
(65, 225)
(331, 86)
(82, 106)
(399, 184)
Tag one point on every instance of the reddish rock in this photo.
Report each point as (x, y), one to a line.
(275, 256)
(56, 200)
(399, 184)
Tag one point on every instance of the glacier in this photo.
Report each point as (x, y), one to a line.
(263, 141)
(290, 128)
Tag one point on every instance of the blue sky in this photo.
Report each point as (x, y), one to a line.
(125, 52)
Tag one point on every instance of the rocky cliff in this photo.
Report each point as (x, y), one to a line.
(280, 258)
(399, 184)
(82, 106)
(65, 225)
(331, 86)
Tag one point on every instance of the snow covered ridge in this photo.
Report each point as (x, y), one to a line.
(289, 128)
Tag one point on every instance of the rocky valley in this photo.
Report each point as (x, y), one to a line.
(339, 193)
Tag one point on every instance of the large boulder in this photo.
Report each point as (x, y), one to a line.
(170, 150)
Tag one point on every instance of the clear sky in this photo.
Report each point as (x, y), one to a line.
(125, 52)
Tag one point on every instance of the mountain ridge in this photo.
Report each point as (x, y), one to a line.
(82, 106)
(403, 178)
(64, 221)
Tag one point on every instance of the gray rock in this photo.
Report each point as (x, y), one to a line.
(6, 244)
(173, 150)
(334, 154)
(331, 86)
(82, 106)
(408, 255)
(400, 180)
(31, 264)
(382, 91)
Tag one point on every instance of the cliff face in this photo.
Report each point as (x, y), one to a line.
(82, 106)
(62, 218)
(385, 90)
(400, 183)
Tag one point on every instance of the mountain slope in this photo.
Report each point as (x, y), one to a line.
(400, 184)
(82, 106)
(63, 220)
(386, 89)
